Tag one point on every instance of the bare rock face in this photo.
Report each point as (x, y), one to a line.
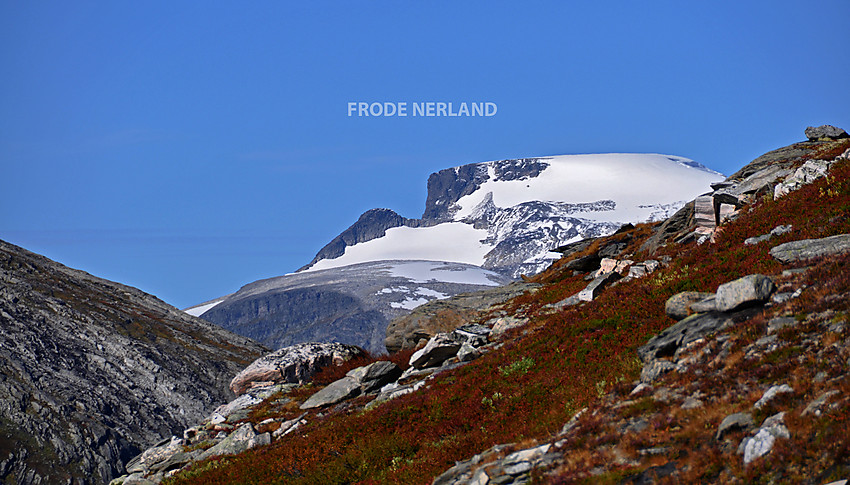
(92, 372)
(295, 364)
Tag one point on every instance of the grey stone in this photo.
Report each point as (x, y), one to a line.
(440, 348)
(824, 132)
(592, 290)
(692, 403)
(682, 333)
(467, 353)
(772, 393)
(761, 444)
(333, 393)
(806, 174)
(815, 406)
(811, 248)
(375, 375)
(749, 290)
(709, 304)
(655, 369)
(566, 302)
(503, 324)
(778, 323)
(678, 306)
(243, 438)
(294, 364)
(734, 421)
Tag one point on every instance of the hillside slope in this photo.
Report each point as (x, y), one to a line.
(573, 384)
(92, 371)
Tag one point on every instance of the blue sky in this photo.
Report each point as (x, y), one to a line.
(188, 148)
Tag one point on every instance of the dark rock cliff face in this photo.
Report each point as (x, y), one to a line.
(283, 318)
(447, 186)
(351, 305)
(92, 372)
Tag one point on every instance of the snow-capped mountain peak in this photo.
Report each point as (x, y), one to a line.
(506, 215)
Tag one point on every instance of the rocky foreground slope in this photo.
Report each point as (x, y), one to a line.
(698, 350)
(92, 372)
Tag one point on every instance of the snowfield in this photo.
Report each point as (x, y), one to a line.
(631, 180)
(573, 197)
(452, 241)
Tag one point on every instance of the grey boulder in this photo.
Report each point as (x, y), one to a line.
(375, 375)
(749, 290)
(824, 132)
(811, 248)
(335, 392)
(294, 364)
(440, 348)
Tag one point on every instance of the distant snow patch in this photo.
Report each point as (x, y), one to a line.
(199, 310)
(427, 271)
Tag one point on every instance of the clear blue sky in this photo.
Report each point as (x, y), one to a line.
(188, 148)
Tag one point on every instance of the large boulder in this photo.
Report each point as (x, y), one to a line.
(440, 348)
(749, 290)
(811, 248)
(295, 364)
(375, 375)
(824, 132)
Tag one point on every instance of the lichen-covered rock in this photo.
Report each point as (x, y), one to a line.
(678, 306)
(824, 132)
(294, 364)
(811, 248)
(242, 439)
(749, 290)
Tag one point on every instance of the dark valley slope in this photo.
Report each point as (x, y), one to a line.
(92, 372)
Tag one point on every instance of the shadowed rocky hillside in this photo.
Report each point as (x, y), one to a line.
(92, 372)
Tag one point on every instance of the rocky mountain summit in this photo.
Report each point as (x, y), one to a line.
(694, 350)
(92, 372)
(523, 208)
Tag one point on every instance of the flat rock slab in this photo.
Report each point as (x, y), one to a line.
(749, 290)
(811, 248)
(335, 392)
(692, 328)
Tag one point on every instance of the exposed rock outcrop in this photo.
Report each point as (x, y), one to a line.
(294, 364)
(92, 371)
(811, 248)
